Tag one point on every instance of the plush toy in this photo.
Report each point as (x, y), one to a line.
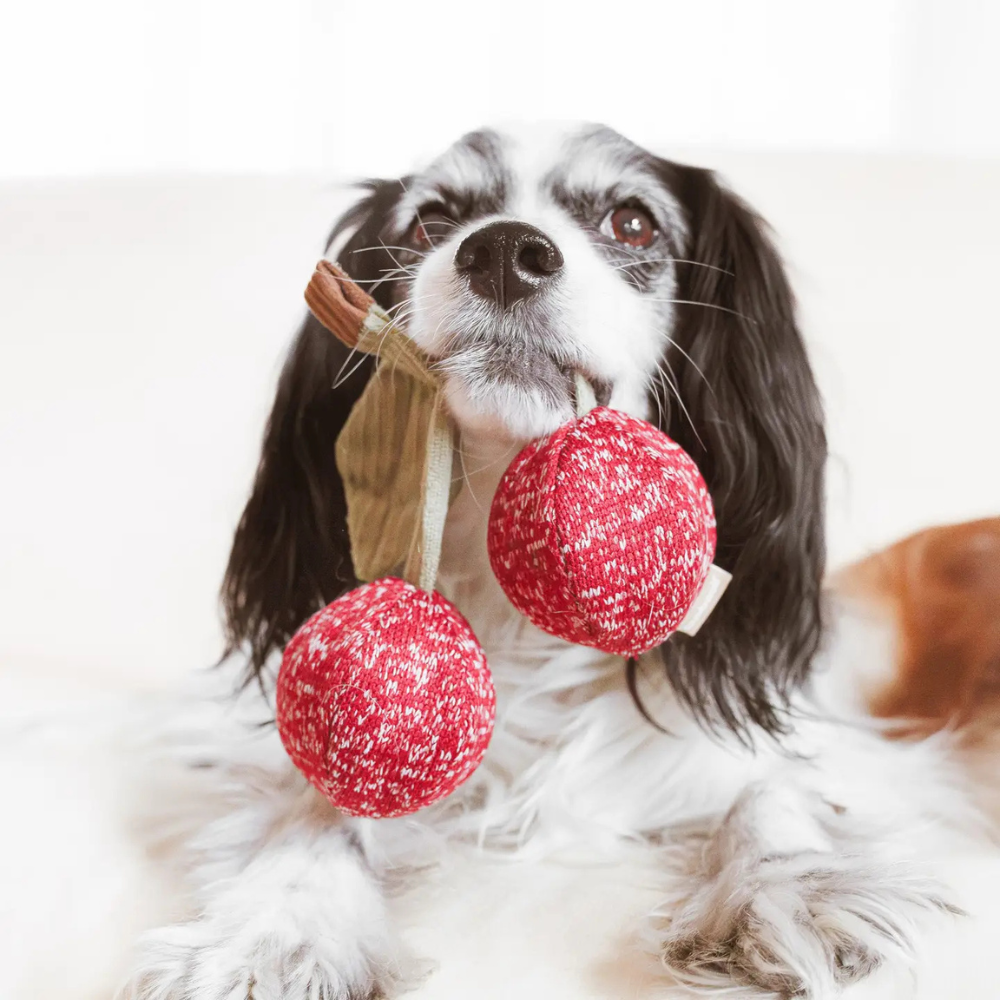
(602, 534)
(385, 702)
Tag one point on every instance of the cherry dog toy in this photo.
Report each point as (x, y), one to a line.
(602, 534)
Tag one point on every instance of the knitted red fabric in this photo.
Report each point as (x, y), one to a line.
(384, 699)
(603, 533)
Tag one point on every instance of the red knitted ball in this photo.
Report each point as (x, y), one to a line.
(603, 533)
(384, 699)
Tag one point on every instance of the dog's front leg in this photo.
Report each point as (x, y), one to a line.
(789, 896)
(288, 908)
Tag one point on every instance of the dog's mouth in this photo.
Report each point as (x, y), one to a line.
(499, 365)
(516, 369)
(524, 389)
(525, 369)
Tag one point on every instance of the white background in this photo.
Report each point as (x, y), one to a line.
(249, 85)
(147, 293)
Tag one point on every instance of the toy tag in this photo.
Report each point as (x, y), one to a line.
(704, 604)
(394, 453)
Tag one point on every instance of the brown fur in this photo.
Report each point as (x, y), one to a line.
(940, 591)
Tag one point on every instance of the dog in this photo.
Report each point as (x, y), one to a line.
(794, 839)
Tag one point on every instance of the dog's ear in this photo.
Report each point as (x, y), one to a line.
(291, 554)
(746, 408)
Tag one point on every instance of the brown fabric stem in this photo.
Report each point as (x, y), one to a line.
(394, 453)
(339, 304)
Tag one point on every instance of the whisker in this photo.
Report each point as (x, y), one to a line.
(691, 361)
(400, 267)
(391, 272)
(378, 281)
(400, 305)
(639, 259)
(437, 222)
(701, 263)
(672, 383)
(389, 250)
(465, 477)
(707, 305)
(659, 402)
(339, 381)
(384, 246)
(395, 272)
(409, 304)
(674, 260)
(505, 457)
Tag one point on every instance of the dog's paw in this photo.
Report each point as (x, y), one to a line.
(800, 926)
(261, 961)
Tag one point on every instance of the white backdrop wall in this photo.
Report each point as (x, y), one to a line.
(142, 319)
(113, 86)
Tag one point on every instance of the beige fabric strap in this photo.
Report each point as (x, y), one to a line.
(423, 562)
(395, 451)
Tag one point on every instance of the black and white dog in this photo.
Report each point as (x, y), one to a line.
(794, 842)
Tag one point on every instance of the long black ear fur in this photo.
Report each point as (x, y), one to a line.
(752, 420)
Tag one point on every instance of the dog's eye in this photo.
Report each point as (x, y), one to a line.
(632, 226)
(431, 225)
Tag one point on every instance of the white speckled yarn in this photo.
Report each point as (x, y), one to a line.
(603, 533)
(384, 699)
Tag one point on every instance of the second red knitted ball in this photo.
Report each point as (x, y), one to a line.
(603, 533)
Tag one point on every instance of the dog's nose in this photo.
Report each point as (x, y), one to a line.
(507, 261)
